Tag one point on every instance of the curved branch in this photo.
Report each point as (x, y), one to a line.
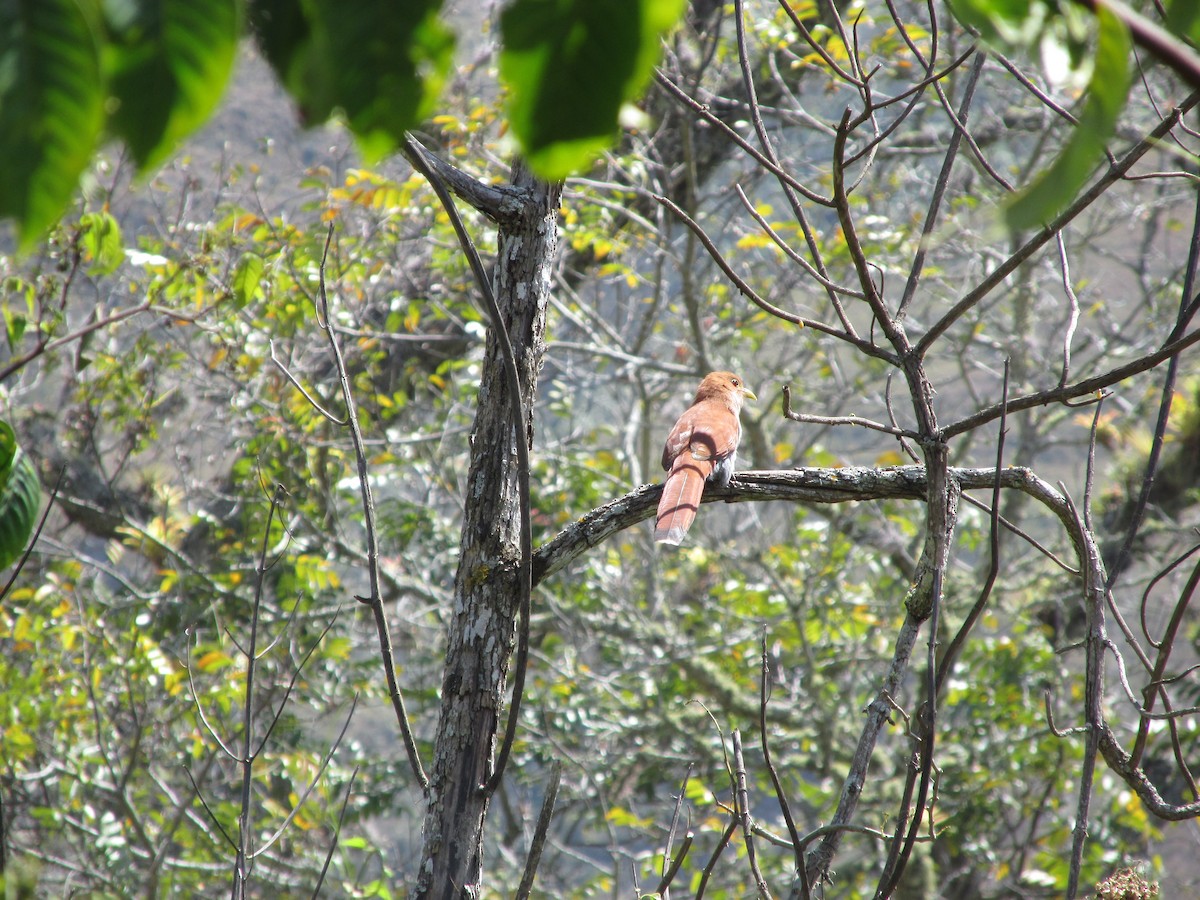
(804, 485)
(1079, 389)
(423, 162)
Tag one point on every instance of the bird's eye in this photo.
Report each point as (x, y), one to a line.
(736, 383)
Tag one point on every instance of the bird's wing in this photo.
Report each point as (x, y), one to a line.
(708, 430)
(706, 435)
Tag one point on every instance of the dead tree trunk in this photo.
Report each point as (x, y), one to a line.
(486, 587)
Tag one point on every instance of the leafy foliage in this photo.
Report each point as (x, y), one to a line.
(1058, 33)
(175, 421)
(149, 72)
(20, 494)
(165, 65)
(553, 50)
(51, 111)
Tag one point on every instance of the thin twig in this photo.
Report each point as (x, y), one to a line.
(840, 420)
(793, 196)
(1093, 592)
(706, 113)
(1082, 388)
(312, 401)
(753, 296)
(780, 794)
(1073, 319)
(37, 532)
(375, 600)
(670, 865)
(312, 783)
(799, 260)
(245, 855)
(1187, 309)
(1159, 576)
(1114, 173)
(336, 835)
(664, 884)
(208, 809)
(722, 843)
(539, 833)
(939, 189)
(45, 346)
(1166, 645)
(200, 708)
(989, 582)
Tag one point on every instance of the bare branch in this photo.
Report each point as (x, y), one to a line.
(336, 835)
(375, 601)
(743, 286)
(802, 485)
(1114, 173)
(742, 804)
(1082, 388)
(780, 794)
(840, 420)
(539, 833)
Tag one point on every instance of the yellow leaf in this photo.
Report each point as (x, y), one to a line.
(213, 659)
(753, 241)
(246, 220)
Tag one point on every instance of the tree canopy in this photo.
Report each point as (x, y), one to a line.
(345, 586)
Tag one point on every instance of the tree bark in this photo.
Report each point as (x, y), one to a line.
(486, 588)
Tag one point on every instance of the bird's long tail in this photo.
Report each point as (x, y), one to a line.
(680, 500)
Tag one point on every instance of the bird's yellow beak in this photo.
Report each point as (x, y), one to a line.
(748, 394)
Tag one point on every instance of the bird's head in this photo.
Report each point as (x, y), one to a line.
(725, 387)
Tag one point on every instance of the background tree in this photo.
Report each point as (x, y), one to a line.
(811, 201)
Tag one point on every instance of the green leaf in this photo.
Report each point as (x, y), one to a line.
(569, 66)
(20, 494)
(246, 279)
(167, 67)
(1107, 90)
(1183, 19)
(101, 241)
(14, 327)
(51, 108)
(383, 64)
(16, 322)
(1002, 22)
(280, 29)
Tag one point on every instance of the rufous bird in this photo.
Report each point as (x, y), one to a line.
(701, 447)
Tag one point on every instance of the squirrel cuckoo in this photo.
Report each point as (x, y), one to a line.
(701, 447)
